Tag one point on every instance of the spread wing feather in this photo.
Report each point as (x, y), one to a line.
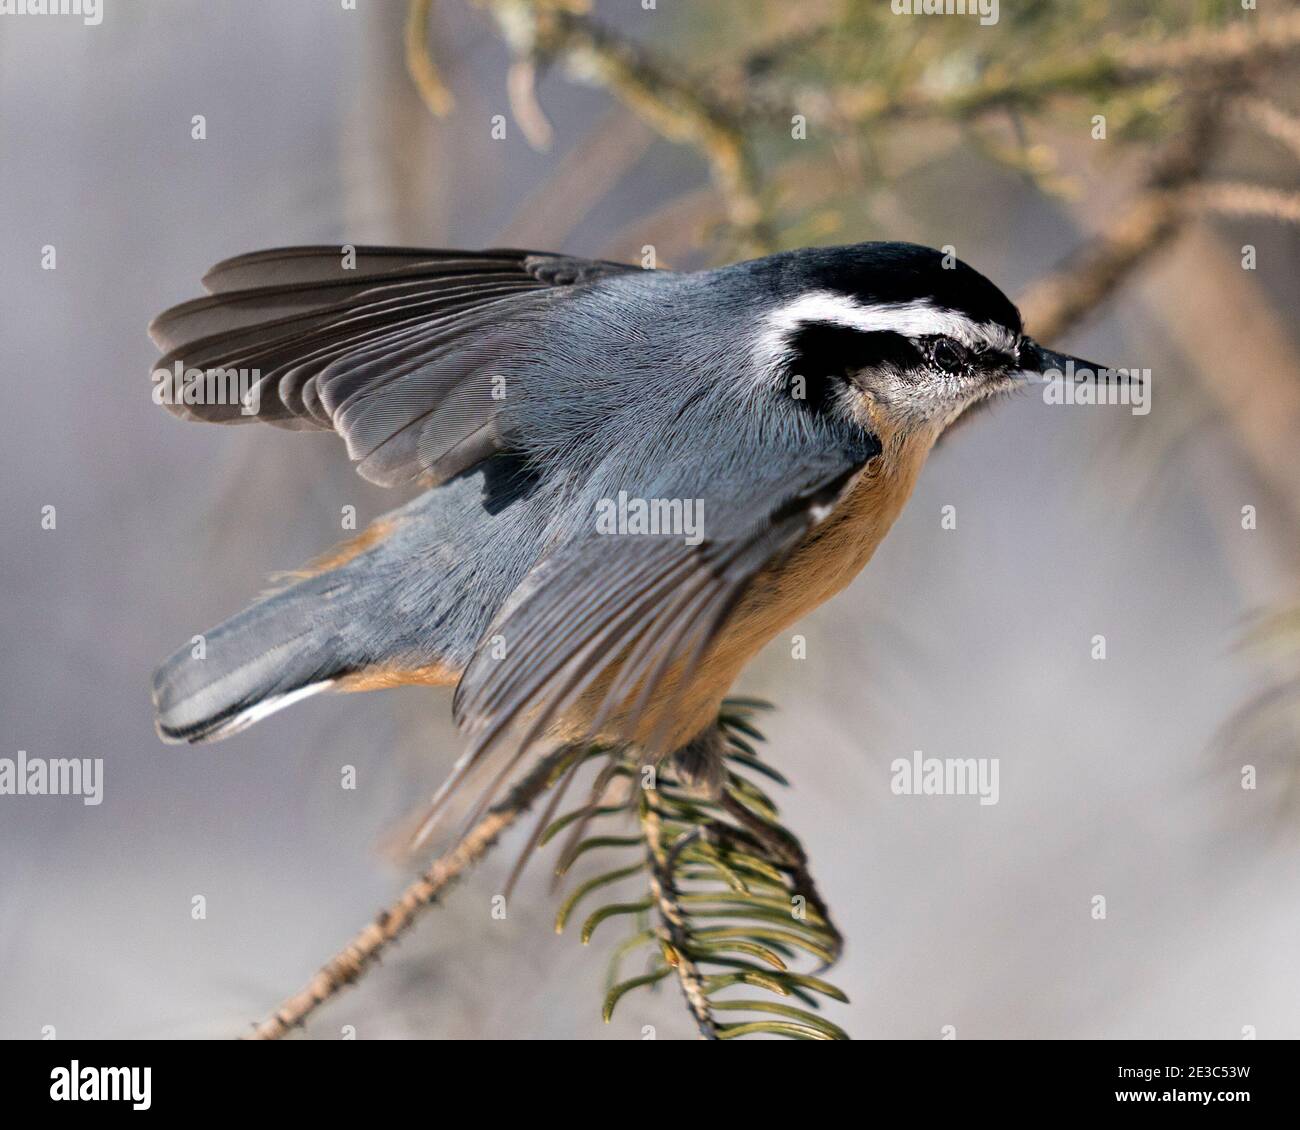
(395, 349)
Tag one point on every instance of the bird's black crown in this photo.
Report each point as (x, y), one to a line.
(891, 272)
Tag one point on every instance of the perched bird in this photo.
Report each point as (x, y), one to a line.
(571, 418)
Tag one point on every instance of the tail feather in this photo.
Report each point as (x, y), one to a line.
(278, 651)
(406, 601)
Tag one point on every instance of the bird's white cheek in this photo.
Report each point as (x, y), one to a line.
(918, 399)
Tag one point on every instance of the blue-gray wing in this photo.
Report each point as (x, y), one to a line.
(622, 612)
(399, 350)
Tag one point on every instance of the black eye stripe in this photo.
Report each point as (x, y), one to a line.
(823, 355)
(823, 349)
(953, 357)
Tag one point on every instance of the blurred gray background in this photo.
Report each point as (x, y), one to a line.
(967, 643)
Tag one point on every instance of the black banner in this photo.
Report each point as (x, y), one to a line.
(363, 1078)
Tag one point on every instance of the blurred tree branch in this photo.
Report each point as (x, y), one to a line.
(1232, 199)
(1059, 300)
(1266, 728)
(1273, 121)
(419, 60)
(679, 108)
(1201, 56)
(726, 120)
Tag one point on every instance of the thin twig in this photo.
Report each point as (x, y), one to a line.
(521, 88)
(419, 60)
(359, 954)
(664, 891)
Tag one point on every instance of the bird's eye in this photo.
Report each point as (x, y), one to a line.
(948, 356)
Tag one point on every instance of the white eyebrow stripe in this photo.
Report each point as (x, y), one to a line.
(912, 319)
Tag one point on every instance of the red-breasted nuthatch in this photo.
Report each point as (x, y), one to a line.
(637, 477)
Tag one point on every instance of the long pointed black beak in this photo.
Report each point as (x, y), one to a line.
(1039, 366)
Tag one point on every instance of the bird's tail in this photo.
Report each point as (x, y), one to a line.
(285, 647)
